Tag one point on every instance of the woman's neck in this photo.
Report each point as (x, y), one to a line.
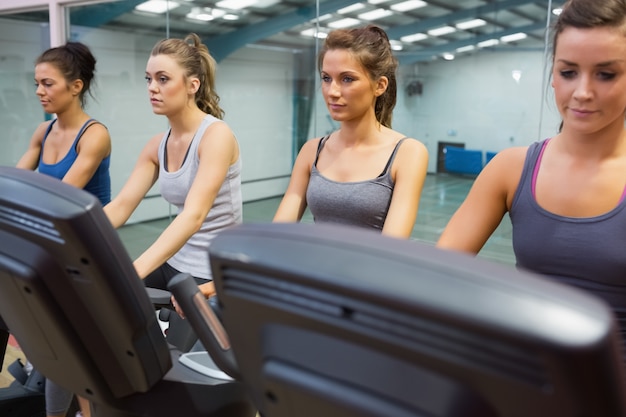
(363, 131)
(186, 121)
(71, 118)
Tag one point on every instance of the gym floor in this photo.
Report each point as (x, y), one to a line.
(441, 196)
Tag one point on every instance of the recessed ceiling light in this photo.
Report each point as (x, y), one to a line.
(557, 11)
(448, 56)
(230, 16)
(470, 24)
(465, 48)
(488, 43)
(352, 8)
(375, 14)
(396, 45)
(205, 14)
(314, 33)
(376, 1)
(156, 6)
(235, 4)
(444, 30)
(514, 37)
(405, 6)
(414, 37)
(344, 23)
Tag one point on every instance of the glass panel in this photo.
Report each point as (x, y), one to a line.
(488, 99)
(23, 37)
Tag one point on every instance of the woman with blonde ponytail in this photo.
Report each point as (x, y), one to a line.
(196, 161)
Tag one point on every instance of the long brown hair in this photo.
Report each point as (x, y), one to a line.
(370, 45)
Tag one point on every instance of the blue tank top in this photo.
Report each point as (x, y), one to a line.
(359, 203)
(589, 253)
(99, 185)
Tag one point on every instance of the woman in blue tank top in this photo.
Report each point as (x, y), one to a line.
(73, 148)
(365, 174)
(565, 195)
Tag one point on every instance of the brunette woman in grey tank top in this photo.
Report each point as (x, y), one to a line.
(365, 174)
(196, 161)
(566, 195)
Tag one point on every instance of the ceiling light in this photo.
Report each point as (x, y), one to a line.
(314, 33)
(235, 4)
(352, 8)
(488, 43)
(448, 56)
(376, 1)
(414, 37)
(156, 6)
(557, 11)
(405, 6)
(344, 23)
(514, 37)
(375, 14)
(230, 16)
(396, 45)
(205, 14)
(465, 48)
(266, 3)
(322, 18)
(470, 24)
(444, 30)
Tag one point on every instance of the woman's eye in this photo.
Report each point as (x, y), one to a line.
(325, 78)
(348, 79)
(162, 79)
(568, 74)
(606, 75)
(148, 80)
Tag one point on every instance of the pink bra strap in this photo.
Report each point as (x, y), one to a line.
(536, 170)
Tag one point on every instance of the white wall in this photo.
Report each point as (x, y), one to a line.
(475, 100)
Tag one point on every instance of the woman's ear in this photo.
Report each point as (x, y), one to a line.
(194, 86)
(381, 86)
(76, 87)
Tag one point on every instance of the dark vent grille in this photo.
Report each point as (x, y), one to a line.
(29, 223)
(435, 340)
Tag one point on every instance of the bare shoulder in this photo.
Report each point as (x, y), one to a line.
(97, 128)
(40, 131)
(218, 127)
(509, 160)
(309, 149)
(151, 148)
(412, 145)
(502, 174)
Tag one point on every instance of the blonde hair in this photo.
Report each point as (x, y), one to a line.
(195, 59)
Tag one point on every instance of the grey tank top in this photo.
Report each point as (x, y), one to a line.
(589, 253)
(360, 203)
(226, 211)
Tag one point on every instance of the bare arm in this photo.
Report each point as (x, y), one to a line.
(30, 159)
(217, 151)
(141, 179)
(410, 169)
(489, 199)
(93, 147)
(293, 204)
